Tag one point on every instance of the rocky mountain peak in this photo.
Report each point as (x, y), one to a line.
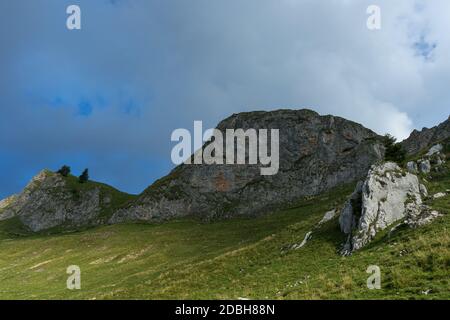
(316, 154)
(45, 179)
(51, 200)
(421, 140)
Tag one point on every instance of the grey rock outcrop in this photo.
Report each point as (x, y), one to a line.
(329, 215)
(436, 149)
(303, 243)
(351, 210)
(387, 195)
(425, 166)
(432, 157)
(423, 190)
(420, 140)
(412, 167)
(49, 201)
(4, 204)
(317, 153)
(418, 219)
(439, 195)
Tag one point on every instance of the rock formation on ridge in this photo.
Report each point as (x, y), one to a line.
(51, 200)
(420, 140)
(317, 153)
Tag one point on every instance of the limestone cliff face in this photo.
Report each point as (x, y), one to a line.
(421, 140)
(317, 153)
(51, 200)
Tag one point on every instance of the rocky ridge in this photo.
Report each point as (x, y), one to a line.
(434, 157)
(317, 153)
(421, 140)
(51, 200)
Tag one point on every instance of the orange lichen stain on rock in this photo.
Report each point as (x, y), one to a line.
(348, 135)
(221, 183)
(313, 140)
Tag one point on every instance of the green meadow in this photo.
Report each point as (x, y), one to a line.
(238, 258)
(231, 259)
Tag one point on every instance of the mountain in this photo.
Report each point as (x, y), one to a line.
(51, 200)
(316, 154)
(420, 140)
(333, 196)
(264, 257)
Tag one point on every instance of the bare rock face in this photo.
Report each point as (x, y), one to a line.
(387, 195)
(425, 166)
(412, 167)
(48, 201)
(423, 190)
(436, 149)
(418, 219)
(4, 204)
(329, 215)
(348, 218)
(317, 153)
(420, 140)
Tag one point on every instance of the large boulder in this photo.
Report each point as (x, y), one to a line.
(436, 149)
(387, 195)
(316, 154)
(425, 166)
(412, 167)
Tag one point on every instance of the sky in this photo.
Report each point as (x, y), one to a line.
(107, 97)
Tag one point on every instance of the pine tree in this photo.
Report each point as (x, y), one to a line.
(64, 171)
(84, 176)
(394, 151)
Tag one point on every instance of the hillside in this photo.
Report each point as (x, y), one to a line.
(52, 202)
(240, 257)
(420, 140)
(316, 154)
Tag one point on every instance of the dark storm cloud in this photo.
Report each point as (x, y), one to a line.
(108, 96)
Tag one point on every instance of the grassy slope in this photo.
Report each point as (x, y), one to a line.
(230, 259)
